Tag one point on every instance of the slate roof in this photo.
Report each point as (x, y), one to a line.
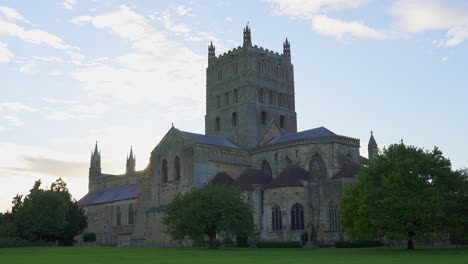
(211, 140)
(108, 195)
(291, 176)
(221, 179)
(349, 170)
(311, 133)
(249, 177)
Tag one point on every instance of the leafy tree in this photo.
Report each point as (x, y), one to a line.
(50, 214)
(457, 208)
(402, 194)
(208, 211)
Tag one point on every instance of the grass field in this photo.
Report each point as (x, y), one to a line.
(85, 255)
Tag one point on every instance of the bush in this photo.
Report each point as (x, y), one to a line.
(304, 238)
(7, 242)
(242, 241)
(279, 244)
(358, 244)
(89, 237)
(227, 241)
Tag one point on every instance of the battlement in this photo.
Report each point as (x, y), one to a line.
(255, 47)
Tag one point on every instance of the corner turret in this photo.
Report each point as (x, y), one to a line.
(373, 150)
(247, 36)
(286, 48)
(211, 52)
(130, 162)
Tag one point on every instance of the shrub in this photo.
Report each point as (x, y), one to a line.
(228, 241)
(358, 244)
(279, 244)
(304, 238)
(7, 242)
(242, 241)
(89, 237)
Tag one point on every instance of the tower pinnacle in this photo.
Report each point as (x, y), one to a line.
(247, 35)
(372, 147)
(211, 51)
(286, 48)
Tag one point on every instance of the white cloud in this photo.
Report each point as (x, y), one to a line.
(68, 4)
(228, 19)
(341, 29)
(55, 73)
(15, 107)
(81, 20)
(5, 54)
(184, 11)
(156, 69)
(28, 68)
(432, 15)
(306, 9)
(11, 14)
(14, 120)
(34, 36)
(66, 110)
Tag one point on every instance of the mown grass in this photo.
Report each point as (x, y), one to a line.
(96, 255)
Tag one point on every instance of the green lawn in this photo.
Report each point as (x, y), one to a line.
(93, 255)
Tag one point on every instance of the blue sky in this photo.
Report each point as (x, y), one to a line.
(120, 72)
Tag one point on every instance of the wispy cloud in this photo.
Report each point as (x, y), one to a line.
(16, 107)
(341, 29)
(11, 14)
(5, 54)
(68, 4)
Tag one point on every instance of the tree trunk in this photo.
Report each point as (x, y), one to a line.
(212, 240)
(409, 244)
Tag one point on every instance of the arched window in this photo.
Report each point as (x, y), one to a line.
(297, 217)
(272, 97)
(276, 218)
(164, 170)
(280, 100)
(260, 95)
(218, 102)
(264, 117)
(282, 121)
(226, 98)
(118, 216)
(288, 161)
(218, 124)
(177, 168)
(234, 119)
(266, 167)
(130, 215)
(333, 216)
(235, 96)
(317, 168)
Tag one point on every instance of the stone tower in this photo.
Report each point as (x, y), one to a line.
(130, 162)
(373, 150)
(94, 167)
(246, 89)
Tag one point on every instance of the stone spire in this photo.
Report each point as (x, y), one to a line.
(211, 51)
(247, 36)
(372, 147)
(131, 161)
(95, 163)
(286, 48)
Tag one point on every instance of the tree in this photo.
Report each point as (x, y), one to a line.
(400, 195)
(46, 214)
(208, 211)
(456, 208)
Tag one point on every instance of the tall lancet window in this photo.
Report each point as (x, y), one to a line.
(276, 218)
(317, 168)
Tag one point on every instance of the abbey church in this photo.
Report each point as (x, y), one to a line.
(293, 180)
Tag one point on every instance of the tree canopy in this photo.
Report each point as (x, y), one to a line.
(404, 193)
(208, 211)
(45, 214)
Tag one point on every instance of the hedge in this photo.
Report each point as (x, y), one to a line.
(7, 242)
(358, 244)
(279, 244)
(89, 237)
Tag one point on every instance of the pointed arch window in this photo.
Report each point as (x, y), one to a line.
(317, 168)
(218, 102)
(266, 167)
(218, 124)
(118, 216)
(260, 95)
(276, 218)
(288, 161)
(130, 215)
(234, 119)
(235, 96)
(264, 117)
(333, 216)
(282, 121)
(297, 217)
(164, 171)
(226, 98)
(177, 168)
